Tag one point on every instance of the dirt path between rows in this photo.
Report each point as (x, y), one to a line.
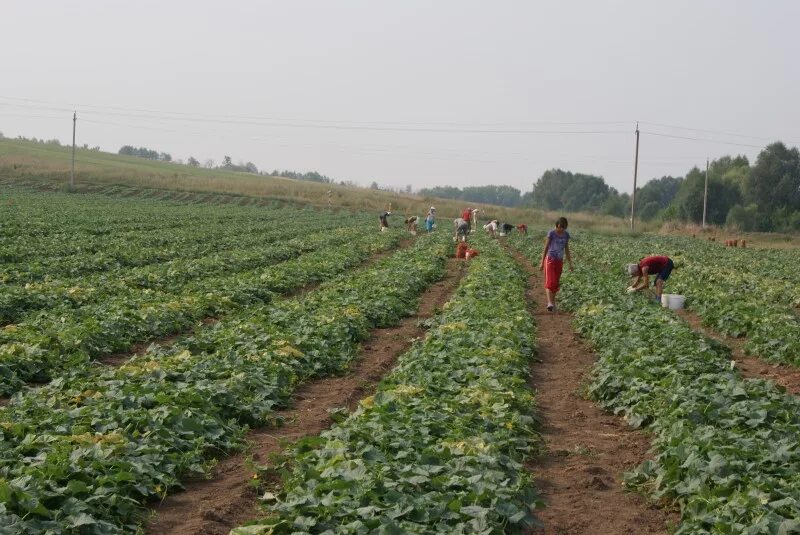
(587, 450)
(225, 500)
(750, 367)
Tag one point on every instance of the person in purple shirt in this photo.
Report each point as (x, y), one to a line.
(555, 248)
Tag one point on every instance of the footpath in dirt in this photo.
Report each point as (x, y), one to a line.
(225, 500)
(750, 367)
(586, 450)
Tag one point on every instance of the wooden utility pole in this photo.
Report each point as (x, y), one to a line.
(705, 196)
(72, 169)
(635, 175)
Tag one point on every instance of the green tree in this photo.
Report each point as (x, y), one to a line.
(656, 196)
(557, 189)
(722, 195)
(725, 178)
(617, 204)
(649, 211)
(774, 180)
(746, 218)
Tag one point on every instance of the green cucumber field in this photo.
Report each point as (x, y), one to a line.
(185, 366)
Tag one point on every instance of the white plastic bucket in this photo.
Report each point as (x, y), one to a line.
(673, 301)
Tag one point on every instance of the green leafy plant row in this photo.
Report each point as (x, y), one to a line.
(726, 449)
(78, 255)
(19, 300)
(91, 448)
(39, 226)
(47, 344)
(440, 447)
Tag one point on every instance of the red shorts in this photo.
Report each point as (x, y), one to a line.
(552, 273)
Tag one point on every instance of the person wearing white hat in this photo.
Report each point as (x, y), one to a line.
(384, 219)
(430, 219)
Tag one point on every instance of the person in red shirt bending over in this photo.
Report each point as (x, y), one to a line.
(466, 215)
(660, 266)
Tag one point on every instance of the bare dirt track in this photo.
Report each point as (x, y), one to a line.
(225, 500)
(750, 367)
(586, 449)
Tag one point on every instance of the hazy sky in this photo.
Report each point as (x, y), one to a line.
(409, 92)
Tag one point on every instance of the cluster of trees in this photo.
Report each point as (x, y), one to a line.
(143, 152)
(228, 165)
(557, 189)
(760, 197)
(500, 195)
(311, 176)
(53, 141)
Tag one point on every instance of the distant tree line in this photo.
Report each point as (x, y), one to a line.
(143, 152)
(54, 142)
(311, 176)
(562, 190)
(499, 195)
(761, 197)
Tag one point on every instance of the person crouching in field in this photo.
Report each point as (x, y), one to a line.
(384, 218)
(466, 215)
(555, 248)
(661, 266)
(462, 228)
(491, 227)
(411, 224)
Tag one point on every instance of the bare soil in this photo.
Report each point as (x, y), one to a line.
(579, 474)
(225, 500)
(750, 367)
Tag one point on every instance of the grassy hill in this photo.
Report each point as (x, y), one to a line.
(49, 166)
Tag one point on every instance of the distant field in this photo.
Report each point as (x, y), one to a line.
(49, 165)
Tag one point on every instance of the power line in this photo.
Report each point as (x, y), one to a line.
(703, 139)
(377, 149)
(715, 132)
(163, 114)
(35, 116)
(365, 125)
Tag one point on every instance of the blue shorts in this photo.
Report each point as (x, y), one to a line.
(664, 273)
(429, 225)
